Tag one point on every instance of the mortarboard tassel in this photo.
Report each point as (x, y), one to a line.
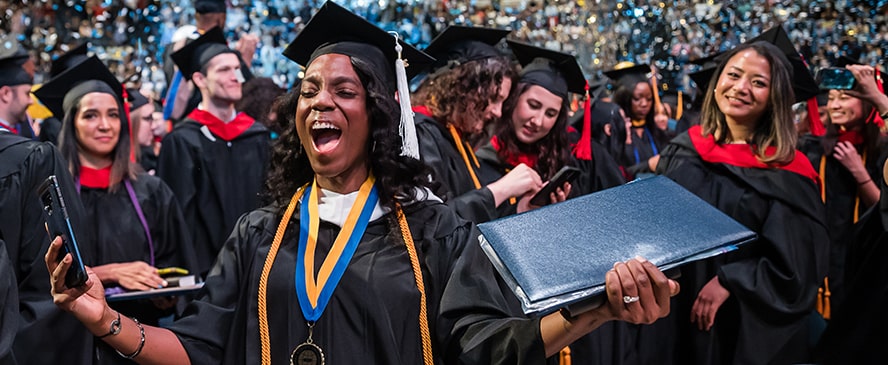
(129, 123)
(410, 144)
(583, 149)
(815, 124)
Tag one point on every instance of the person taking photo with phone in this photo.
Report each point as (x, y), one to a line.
(533, 129)
(849, 160)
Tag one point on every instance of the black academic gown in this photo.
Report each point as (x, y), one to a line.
(857, 331)
(46, 335)
(372, 315)
(9, 313)
(215, 181)
(438, 150)
(773, 281)
(121, 237)
(650, 144)
(841, 198)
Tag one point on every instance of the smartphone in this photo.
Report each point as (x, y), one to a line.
(835, 78)
(58, 223)
(566, 174)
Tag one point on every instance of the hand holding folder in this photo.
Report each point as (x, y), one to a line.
(559, 255)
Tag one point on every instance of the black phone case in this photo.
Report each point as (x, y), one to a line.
(59, 224)
(567, 173)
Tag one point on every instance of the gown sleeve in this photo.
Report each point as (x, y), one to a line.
(9, 312)
(474, 205)
(209, 320)
(478, 319)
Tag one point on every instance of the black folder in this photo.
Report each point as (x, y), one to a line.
(557, 256)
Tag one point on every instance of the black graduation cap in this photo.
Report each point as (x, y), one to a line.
(803, 83)
(88, 76)
(629, 76)
(702, 77)
(69, 59)
(209, 6)
(136, 99)
(194, 55)
(823, 98)
(333, 29)
(464, 44)
(12, 57)
(555, 71)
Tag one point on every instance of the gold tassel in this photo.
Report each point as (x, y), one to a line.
(823, 294)
(564, 356)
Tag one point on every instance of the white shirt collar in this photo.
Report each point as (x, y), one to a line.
(334, 207)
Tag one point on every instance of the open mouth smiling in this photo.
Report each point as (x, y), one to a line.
(325, 136)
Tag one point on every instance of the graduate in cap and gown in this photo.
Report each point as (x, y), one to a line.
(462, 95)
(216, 159)
(134, 218)
(24, 166)
(634, 93)
(533, 129)
(848, 158)
(401, 279)
(751, 305)
(15, 87)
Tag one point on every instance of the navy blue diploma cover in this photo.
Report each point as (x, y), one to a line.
(557, 256)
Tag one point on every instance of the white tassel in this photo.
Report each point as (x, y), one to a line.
(407, 129)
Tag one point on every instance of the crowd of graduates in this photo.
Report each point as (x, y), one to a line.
(376, 188)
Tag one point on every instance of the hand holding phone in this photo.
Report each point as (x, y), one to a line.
(566, 174)
(58, 223)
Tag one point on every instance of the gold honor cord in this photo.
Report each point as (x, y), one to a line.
(264, 336)
(460, 145)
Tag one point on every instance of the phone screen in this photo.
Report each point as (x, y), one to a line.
(836, 78)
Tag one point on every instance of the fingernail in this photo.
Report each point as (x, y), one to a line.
(165, 283)
(641, 259)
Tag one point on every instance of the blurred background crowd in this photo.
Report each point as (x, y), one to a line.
(132, 35)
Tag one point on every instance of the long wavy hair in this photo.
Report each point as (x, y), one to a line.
(552, 151)
(459, 95)
(776, 126)
(69, 146)
(397, 177)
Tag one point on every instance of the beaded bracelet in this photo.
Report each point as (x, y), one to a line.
(141, 342)
(115, 327)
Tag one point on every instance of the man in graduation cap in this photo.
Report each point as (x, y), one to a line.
(403, 280)
(16, 77)
(182, 96)
(462, 95)
(24, 166)
(215, 160)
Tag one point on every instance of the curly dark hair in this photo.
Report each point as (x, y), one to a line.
(459, 95)
(553, 150)
(258, 97)
(397, 177)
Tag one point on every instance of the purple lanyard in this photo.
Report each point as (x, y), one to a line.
(135, 201)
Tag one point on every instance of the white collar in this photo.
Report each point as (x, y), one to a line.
(334, 207)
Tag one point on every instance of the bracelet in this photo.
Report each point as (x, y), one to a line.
(864, 182)
(115, 327)
(141, 343)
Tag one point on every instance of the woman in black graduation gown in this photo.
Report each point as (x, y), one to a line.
(133, 217)
(849, 160)
(750, 306)
(533, 129)
(456, 102)
(416, 263)
(635, 95)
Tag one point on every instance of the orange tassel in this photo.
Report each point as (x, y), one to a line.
(564, 356)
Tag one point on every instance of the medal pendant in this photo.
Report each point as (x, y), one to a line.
(307, 354)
